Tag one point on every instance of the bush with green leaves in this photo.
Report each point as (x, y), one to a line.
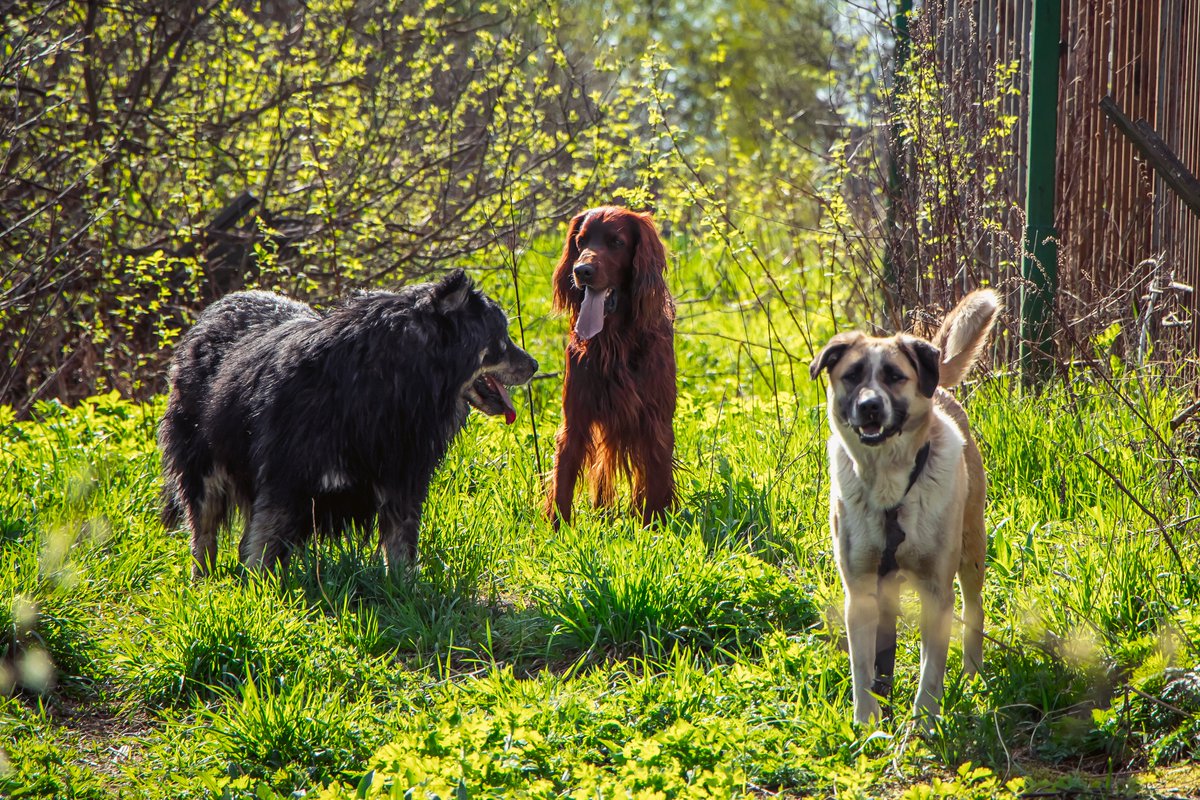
(380, 141)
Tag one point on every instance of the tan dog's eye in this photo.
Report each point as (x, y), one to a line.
(894, 376)
(854, 374)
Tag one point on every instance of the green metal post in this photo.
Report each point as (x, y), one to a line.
(1039, 266)
(892, 278)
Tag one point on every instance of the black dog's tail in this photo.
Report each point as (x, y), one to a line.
(170, 509)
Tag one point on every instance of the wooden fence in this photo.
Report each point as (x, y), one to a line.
(1129, 247)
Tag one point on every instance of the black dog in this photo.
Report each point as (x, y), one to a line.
(307, 422)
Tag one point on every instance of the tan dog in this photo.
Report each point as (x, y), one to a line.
(907, 493)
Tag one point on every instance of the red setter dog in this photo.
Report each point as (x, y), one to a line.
(619, 388)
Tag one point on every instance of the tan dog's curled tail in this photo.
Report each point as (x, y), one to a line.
(963, 334)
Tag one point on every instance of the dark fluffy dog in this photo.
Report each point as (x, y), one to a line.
(308, 422)
(619, 387)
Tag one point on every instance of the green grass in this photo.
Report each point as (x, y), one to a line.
(697, 658)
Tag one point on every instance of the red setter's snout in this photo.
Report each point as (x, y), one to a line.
(619, 387)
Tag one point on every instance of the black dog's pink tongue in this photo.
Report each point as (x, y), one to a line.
(591, 315)
(510, 413)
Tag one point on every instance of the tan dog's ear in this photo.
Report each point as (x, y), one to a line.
(565, 293)
(831, 353)
(925, 359)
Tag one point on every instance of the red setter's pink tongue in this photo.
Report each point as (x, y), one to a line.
(591, 315)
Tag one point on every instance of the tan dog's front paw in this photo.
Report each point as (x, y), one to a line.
(867, 711)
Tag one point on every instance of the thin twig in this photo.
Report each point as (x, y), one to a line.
(1184, 415)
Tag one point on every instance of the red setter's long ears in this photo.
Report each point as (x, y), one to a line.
(649, 268)
(566, 294)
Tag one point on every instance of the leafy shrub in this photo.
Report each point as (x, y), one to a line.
(381, 141)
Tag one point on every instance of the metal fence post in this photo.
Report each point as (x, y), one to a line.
(892, 279)
(1039, 266)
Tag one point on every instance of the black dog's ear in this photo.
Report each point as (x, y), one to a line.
(450, 294)
(831, 353)
(926, 360)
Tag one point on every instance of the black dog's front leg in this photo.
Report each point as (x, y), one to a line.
(399, 527)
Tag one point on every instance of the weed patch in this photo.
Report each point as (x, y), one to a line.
(653, 592)
(212, 638)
